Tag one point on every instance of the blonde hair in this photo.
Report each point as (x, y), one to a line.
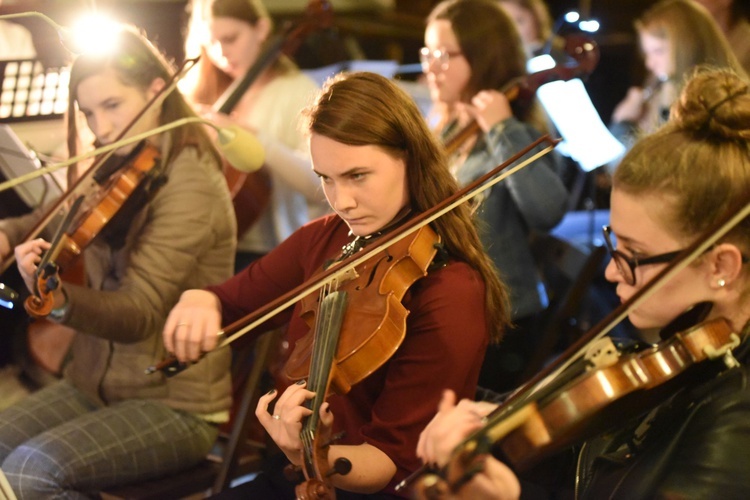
(694, 36)
(699, 160)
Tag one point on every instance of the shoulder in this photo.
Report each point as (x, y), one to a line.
(454, 287)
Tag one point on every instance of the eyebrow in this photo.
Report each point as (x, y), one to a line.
(354, 170)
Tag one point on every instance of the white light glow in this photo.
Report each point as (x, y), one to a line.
(590, 26)
(94, 34)
(572, 16)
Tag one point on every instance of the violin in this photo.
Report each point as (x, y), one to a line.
(366, 304)
(87, 218)
(584, 54)
(553, 410)
(250, 191)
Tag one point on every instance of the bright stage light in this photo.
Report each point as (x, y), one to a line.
(95, 34)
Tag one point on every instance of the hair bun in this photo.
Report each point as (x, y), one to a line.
(715, 102)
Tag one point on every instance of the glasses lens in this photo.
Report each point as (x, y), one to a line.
(622, 264)
(425, 56)
(624, 267)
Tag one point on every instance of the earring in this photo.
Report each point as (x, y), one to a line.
(721, 282)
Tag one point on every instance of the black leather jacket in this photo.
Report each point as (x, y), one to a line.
(694, 446)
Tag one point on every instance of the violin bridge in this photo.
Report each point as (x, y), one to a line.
(601, 354)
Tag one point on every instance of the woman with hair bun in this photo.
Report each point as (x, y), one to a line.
(668, 190)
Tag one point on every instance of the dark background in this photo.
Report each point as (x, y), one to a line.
(380, 34)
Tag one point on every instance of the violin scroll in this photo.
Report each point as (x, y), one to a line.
(40, 304)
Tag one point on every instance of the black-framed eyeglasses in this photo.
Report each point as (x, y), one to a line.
(427, 56)
(627, 265)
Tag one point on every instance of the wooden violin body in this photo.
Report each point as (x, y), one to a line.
(356, 328)
(600, 398)
(375, 321)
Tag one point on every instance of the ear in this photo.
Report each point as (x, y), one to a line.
(156, 86)
(726, 264)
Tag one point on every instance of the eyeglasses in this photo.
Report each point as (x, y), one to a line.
(427, 56)
(626, 265)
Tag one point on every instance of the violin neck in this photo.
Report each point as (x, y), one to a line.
(327, 330)
(232, 96)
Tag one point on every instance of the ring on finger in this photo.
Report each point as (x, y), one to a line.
(276, 417)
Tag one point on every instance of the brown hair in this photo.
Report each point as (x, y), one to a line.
(694, 36)
(367, 109)
(212, 81)
(700, 159)
(490, 43)
(137, 63)
(540, 13)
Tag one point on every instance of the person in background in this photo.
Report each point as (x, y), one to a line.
(670, 188)
(106, 422)
(472, 49)
(379, 166)
(233, 35)
(533, 22)
(675, 36)
(732, 18)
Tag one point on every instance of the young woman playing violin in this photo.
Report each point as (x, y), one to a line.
(472, 49)
(379, 165)
(669, 189)
(233, 34)
(106, 422)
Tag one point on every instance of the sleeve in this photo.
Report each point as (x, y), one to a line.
(185, 219)
(537, 190)
(444, 346)
(267, 278)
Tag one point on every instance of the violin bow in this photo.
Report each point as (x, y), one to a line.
(242, 326)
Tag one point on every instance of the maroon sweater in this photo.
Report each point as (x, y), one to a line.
(446, 337)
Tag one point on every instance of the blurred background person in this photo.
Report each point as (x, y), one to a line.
(732, 18)
(534, 23)
(472, 49)
(232, 35)
(675, 36)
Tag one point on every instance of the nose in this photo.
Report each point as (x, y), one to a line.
(101, 127)
(611, 273)
(342, 199)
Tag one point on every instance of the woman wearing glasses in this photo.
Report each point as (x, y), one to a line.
(669, 189)
(472, 49)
